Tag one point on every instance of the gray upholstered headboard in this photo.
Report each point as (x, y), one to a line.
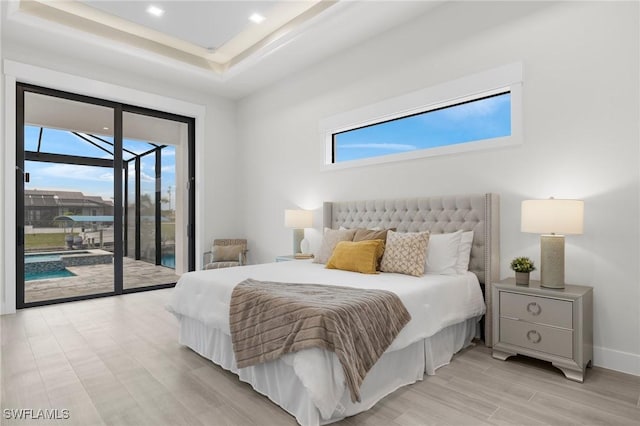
(477, 212)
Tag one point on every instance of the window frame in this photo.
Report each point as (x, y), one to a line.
(508, 78)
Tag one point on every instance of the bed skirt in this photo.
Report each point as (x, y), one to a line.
(279, 382)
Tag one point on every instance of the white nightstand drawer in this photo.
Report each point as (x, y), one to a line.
(540, 310)
(555, 341)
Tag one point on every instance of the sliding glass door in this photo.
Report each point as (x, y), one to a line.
(100, 209)
(153, 202)
(67, 200)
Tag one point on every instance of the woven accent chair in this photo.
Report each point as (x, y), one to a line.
(226, 253)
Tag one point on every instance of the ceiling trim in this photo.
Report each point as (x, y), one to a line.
(289, 28)
(102, 24)
(83, 18)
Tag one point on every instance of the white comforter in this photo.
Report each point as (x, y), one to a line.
(434, 302)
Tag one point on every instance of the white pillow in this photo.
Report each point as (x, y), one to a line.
(464, 252)
(442, 253)
(330, 239)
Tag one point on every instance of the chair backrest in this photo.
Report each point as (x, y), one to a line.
(208, 259)
(230, 242)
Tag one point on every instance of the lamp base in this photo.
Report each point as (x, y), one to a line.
(304, 246)
(298, 236)
(552, 261)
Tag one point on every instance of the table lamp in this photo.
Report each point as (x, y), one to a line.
(298, 220)
(553, 219)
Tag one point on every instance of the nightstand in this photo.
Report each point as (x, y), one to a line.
(285, 258)
(554, 325)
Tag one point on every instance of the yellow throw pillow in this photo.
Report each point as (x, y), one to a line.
(372, 234)
(361, 256)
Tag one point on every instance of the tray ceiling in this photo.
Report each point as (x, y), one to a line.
(209, 46)
(215, 35)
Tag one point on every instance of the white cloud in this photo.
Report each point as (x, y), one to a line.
(146, 178)
(77, 173)
(385, 146)
(143, 176)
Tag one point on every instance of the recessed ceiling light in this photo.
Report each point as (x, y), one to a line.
(105, 128)
(155, 11)
(256, 18)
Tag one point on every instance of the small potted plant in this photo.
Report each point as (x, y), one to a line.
(522, 267)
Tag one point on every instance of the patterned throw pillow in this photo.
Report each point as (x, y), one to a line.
(329, 240)
(405, 253)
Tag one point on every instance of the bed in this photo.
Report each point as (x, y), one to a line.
(445, 309)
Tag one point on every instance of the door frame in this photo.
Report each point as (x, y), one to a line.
(15, 71)
(119, 109)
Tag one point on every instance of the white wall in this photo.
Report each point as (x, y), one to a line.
(2, 174)
(580, 139)
(216, 149)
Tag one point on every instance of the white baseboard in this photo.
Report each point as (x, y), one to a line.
(624, 362)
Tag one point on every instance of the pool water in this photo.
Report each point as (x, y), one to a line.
(32, 258)
(32, 276)
(42, 266)
(169, 260)
(49, 257)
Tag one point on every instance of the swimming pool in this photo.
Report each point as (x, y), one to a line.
(32, 276)
(169, 260)
(49, 257)
(39, 266)
(33, 258)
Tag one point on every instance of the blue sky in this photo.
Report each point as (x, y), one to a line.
(482, 119)
(87, 179)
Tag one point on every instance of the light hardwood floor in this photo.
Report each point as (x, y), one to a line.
(116, 361)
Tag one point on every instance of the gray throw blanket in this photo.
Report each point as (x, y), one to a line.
(269, 319)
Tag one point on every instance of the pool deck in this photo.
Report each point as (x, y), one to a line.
(95, 279)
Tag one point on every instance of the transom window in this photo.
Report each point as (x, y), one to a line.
(478, 119)
(479, 111)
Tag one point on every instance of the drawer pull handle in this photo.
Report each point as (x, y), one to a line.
(534, 309)
(533, 336)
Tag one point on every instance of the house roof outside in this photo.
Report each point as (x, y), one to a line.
(53, 198)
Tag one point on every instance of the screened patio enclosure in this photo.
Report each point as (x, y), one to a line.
(99, 207)
(149, 219)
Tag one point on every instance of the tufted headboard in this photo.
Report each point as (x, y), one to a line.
(477, 212)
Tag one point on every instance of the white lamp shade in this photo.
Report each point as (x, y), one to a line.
(298, 219)
(552, 216)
